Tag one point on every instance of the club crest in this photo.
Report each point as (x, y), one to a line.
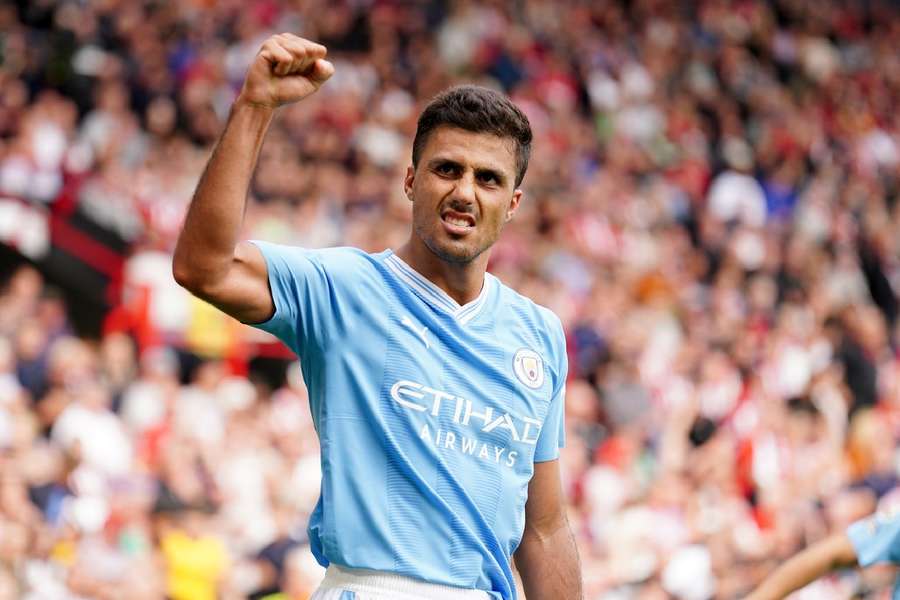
(529, 368)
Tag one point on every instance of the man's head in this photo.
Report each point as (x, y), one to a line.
(470, 154)
(479, 110)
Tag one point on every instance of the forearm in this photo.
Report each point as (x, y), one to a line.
(807, 566)
(549, 565)
(206, 246)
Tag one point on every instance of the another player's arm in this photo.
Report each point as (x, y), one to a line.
(547, 558)
(834, 552)
(209, 261)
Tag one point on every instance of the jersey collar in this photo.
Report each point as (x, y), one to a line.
(435, 296)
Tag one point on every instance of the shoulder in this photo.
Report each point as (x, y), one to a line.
(545, 324)
(332, 261)
(347, 259)
(525, 307)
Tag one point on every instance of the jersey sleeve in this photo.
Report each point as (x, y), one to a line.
(553, 432)
(301, 291)
(876, 539)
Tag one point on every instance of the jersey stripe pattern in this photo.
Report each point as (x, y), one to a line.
(430, 415)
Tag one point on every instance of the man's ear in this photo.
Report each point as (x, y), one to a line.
(513, 204)
(408, 181)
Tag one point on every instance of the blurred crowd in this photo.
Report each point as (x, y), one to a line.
(711, 208)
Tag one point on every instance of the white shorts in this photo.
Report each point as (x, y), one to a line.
(341, 583)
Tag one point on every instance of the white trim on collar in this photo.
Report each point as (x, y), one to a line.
(432, 294)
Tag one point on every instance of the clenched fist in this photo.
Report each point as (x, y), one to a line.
(286, 69)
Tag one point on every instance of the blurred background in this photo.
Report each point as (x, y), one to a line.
(711, 208)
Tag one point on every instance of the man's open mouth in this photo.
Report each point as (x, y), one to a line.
(458, 220)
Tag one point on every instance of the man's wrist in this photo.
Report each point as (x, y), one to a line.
(252, 115)
(244, 103)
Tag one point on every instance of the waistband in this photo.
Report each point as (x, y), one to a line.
(394, 586)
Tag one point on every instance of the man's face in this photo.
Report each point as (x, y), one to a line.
(463, 192)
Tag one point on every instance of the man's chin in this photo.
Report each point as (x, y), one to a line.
(454, 252)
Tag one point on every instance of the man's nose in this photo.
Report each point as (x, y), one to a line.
(465, 188)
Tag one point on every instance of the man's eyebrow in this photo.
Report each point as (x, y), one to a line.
(492, 171)
(437, 161)
(498, 175)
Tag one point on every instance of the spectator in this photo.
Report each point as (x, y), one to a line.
(711, 208)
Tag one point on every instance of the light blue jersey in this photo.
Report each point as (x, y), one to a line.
(876, 539)
(430, 415)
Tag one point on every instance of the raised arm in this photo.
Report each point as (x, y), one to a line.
(832, 553)
(209, 262)
(547, 558)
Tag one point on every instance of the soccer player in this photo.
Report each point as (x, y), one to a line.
(873, 540)
(436, 391)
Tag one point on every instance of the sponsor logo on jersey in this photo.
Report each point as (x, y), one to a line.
(425, 400)
(421, 398)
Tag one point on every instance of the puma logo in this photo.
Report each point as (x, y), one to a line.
(407, 322)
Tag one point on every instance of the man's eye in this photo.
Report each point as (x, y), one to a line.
(446, 169)
(487, 178)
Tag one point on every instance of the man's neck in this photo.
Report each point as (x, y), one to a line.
(462, 281)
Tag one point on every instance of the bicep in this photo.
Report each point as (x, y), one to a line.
(545, 508)
(547, 557)
(244, 291)
(842, 551)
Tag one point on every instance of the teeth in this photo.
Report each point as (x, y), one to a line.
(455, 221)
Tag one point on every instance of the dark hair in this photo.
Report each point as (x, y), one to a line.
(480, 110)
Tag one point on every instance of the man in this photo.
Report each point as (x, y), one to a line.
(436, 391)
(873, 540)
